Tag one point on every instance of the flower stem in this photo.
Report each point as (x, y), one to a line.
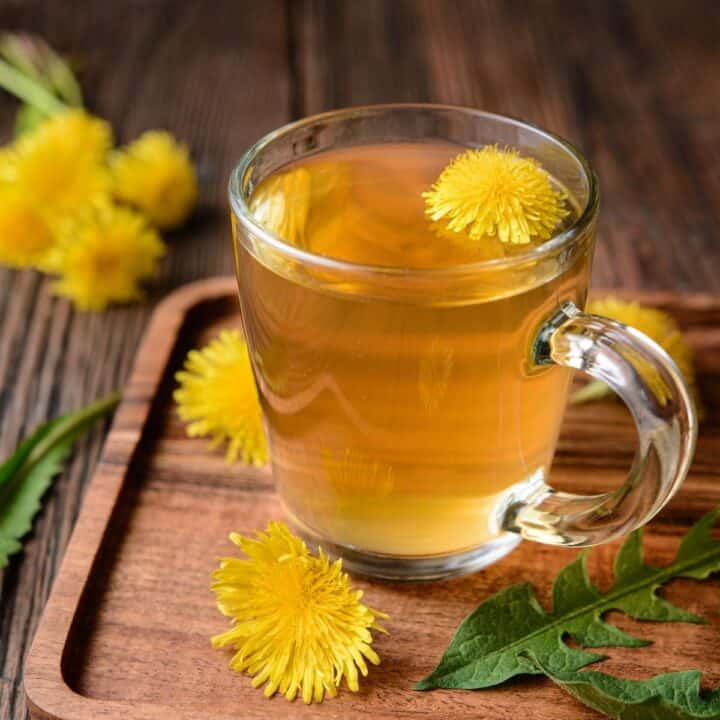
(28, 90)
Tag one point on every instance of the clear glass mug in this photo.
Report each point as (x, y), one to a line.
(412, 414)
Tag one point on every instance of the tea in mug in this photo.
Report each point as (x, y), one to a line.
(398, 419)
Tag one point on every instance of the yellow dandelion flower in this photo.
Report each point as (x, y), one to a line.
(61, 164)
(7, 164)
(217, 396)
(656, 324)
(298, 624)
(25, 234)
(103, 254)
(493, 193)
(155, 175)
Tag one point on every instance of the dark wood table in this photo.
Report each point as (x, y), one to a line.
(635, 84)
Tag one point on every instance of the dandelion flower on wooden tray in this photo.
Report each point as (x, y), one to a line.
(657, 325)
(217, 397)
(298, 625)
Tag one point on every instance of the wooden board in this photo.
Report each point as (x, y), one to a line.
(635, 84)
(125, 632)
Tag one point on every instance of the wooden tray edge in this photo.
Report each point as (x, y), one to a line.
(46, 691)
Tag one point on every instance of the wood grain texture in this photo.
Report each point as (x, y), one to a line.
(218, 80)
(635, 84)
(125, 632)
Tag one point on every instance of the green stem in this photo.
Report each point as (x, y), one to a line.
(29, 90)
(592, 391)
(71, 424)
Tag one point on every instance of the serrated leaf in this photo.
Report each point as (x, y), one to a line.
(672, 696)
(22, 452)
(498, 640)
(27, 473)
(18, 510)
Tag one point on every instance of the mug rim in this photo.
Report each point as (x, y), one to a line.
(558, 242)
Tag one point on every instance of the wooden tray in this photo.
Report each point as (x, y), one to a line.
(125, 633)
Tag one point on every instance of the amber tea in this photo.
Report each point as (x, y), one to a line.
(412, 280)
(396, 424)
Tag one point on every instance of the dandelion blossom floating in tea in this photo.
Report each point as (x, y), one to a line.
(434, 374)
(217, 395)
(298, 625)
(493, 193)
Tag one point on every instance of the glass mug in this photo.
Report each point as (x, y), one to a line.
(412, 414)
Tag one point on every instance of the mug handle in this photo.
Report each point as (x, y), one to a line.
(651, 385)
